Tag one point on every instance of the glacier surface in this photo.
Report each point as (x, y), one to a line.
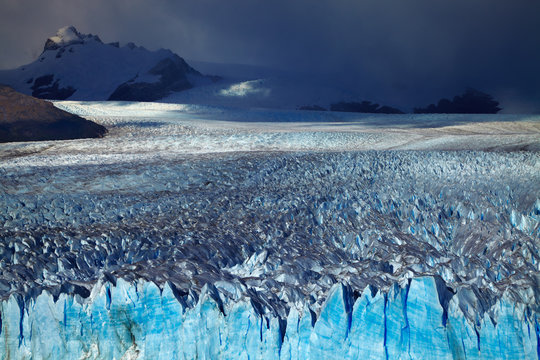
(187, 234)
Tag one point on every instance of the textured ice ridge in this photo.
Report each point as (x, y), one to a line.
(139, 320)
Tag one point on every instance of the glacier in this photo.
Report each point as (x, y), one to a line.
(188, 234)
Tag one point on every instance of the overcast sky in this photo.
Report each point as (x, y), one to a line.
(392, 48)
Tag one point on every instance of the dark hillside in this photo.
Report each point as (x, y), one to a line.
(25, 118)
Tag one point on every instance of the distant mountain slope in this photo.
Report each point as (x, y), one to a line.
(24, 118)
(76, 66)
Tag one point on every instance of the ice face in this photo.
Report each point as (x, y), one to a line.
(314, 254)
(140, 320)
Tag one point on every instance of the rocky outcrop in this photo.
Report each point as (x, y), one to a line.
(45, 88)
(24, 118)
(470, 102)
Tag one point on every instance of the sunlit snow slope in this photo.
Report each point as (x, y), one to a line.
(208, 232)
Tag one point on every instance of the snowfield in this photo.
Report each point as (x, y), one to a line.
(194, 231)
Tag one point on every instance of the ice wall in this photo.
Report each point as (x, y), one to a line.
(140, 320)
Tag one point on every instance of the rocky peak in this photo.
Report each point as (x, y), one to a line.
(68, 36)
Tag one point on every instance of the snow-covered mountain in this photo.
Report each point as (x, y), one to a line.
(80, 66)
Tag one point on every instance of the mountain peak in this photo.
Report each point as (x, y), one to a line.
(67, 35)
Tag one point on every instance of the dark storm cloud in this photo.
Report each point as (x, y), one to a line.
(393, 50)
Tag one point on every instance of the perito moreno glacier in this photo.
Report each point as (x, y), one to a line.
(187, 234)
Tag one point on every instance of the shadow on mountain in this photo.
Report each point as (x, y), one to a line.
(45, 88)
(173, 77)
